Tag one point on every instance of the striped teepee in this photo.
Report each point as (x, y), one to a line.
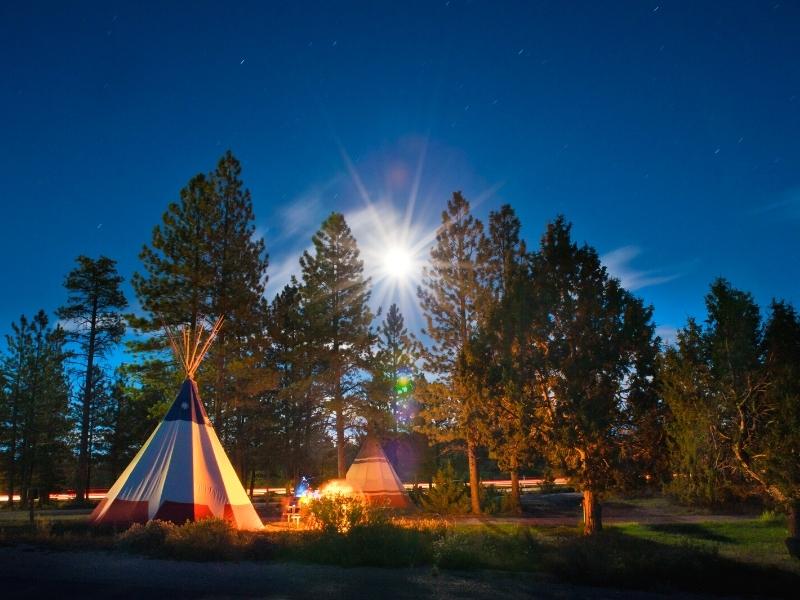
(372, 474)
(182, 472)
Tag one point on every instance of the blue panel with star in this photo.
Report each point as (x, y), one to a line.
(187, 405)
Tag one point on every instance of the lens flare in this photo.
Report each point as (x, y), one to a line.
(404, 383)
(397, 262)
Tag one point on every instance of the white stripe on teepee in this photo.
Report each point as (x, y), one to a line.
(114, 492)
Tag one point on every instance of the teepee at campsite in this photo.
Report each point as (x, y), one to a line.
(372, 474)
(182, 472)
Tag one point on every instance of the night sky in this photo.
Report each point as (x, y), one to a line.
(668, 132)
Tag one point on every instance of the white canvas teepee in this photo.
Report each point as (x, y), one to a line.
(182, 472)
(372, 474)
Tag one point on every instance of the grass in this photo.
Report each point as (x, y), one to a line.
(756, 541)
(716, 556)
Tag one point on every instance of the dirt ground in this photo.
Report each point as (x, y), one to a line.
(31, 573)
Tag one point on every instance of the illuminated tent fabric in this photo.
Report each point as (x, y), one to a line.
(372, 474)
(182, 472)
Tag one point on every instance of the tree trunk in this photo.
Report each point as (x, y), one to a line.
(592, 513)
(12, 457)
(12, 447)
(474, 482)
(793, 541)
(83, 453)
(340, 442)
(794, 519)
(514, 504)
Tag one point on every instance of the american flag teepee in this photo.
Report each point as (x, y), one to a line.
(182, 472)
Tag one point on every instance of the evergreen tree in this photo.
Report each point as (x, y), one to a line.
(15, 377)
(499, 350)
(747, 395)
(699, 457)
(450, 297)
(394, 372)
(732, 342)
(96, 326)
(34, 368)
(714, 383)
(299, 396)
(334, 296)
(139, 397)
(601, 350)
(778, 452)
(205, 261)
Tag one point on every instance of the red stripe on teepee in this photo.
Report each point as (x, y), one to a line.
(120, 512)
(180, 512)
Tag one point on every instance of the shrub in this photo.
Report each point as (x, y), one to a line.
(340, 513)
(548, 485)
(772, 517)
(492, 500)
(207, 539)
(148, 538)
(483, 549)
(259, 547)
(447, 495)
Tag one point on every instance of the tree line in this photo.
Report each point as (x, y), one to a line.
(530, 358)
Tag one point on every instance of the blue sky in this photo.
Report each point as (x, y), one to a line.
(667, 132)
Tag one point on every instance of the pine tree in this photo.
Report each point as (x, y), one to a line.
(299, 393)
(334, 295)
(596, 332)
(34, 368)
(15, 375)
(139, 397)
(93, 311)
(499, 350)
(204, 262)
(450, 297)
(394, 372)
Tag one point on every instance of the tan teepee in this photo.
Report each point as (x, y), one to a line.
(372, 474)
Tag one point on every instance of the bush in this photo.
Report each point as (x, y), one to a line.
(340, 513)
(772, 517)
(492, 500)
(512, 550)
(148, 538)
(376, 544)
(548, 485)
(259, 547)
(447, 496)
(207, 539)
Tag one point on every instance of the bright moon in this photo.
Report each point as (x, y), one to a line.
(397, 262)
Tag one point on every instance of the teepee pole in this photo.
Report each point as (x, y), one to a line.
(192, 348)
